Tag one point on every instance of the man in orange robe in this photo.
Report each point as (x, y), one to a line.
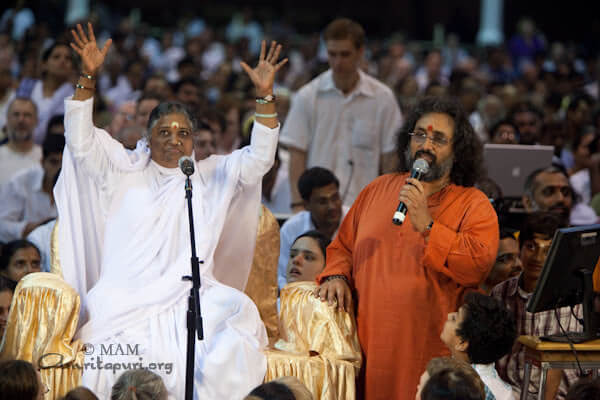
(407, 278)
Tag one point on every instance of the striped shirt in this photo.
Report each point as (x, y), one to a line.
(511, 367)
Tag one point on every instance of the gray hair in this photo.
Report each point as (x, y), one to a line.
(26, 99)
(139, 384)
(166, 108)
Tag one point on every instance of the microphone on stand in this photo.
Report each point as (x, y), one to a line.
(420, 167)
(186, 164)
(194, 314)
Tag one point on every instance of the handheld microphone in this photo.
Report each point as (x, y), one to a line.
(419, 168)
(186, 164)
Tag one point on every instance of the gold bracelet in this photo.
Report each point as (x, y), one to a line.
(79, 86)
(90, 77)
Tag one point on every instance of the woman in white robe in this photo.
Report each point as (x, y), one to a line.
(124, 241)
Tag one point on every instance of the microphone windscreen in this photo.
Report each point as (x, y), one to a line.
(421, 165)
(186, 164)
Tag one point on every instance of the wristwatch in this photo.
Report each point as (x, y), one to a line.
(339, 276)
(427, 230)
(266, 100)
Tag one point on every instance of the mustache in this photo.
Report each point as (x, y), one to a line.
(559, 207)
(421, 153)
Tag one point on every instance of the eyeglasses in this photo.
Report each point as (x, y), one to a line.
(506, 135)
(421, 137)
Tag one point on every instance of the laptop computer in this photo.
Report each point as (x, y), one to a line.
(509, 165)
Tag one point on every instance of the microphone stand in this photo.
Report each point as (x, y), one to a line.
(194, 316)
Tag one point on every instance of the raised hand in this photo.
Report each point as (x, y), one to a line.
(263, 75)
(85, 45)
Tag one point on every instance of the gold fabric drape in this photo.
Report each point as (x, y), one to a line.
(319, 345)
(262, 281)
(55, 267)
(41, 325)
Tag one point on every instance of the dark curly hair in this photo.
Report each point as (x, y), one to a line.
(466, 146)
(488, 326)
(314, 178)
(543, 223)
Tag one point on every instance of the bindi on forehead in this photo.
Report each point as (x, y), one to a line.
(431, 130)
(555, 179)
(175, 125)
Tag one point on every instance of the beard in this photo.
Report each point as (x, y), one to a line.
(436, 170)
(561, 209)
(19, 134)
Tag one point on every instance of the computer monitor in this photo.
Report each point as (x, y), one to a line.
(566, 279)
(509, 165)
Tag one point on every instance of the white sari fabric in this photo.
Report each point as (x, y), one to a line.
(124, 246)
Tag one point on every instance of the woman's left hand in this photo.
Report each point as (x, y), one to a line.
(263, 76)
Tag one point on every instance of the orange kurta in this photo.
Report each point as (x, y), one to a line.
(406, 286)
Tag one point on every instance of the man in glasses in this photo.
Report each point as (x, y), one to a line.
(408, 278)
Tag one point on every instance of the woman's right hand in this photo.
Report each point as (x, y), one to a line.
(92, 57)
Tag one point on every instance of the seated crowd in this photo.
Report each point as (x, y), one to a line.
(526, 102)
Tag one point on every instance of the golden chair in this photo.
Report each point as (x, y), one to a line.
(262, 281)
(319, 345)
(314, 342)
(41, 324)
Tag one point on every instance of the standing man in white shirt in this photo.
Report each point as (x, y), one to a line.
(320, 191)
(19, 152)
(343, 120)
(27, 199)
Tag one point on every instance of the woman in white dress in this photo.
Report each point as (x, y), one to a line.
(124, 240)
